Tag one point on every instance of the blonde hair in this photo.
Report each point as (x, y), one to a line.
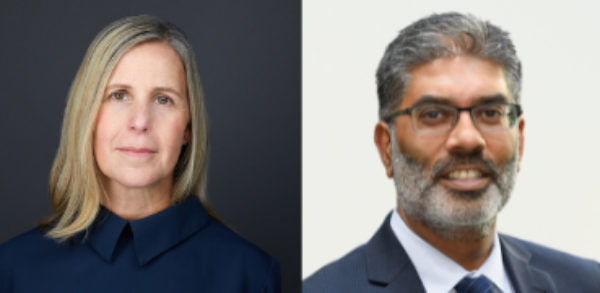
(75, 189)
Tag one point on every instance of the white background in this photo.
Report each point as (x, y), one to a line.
(346, 194)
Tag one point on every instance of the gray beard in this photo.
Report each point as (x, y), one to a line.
(452, 214)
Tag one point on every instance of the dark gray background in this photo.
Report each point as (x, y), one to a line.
(249, 58)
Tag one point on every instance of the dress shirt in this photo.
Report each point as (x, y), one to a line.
(439, 273)
(180, 249)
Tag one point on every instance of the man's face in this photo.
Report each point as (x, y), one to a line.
(462, 178)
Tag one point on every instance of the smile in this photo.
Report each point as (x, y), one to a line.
(465, 174)
(466, 179)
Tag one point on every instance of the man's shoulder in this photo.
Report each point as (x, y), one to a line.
(371, 267)
(543, 254)
(347, 274)
(563, 268)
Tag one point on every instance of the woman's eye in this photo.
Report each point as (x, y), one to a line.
(119, 96)
(163, 100)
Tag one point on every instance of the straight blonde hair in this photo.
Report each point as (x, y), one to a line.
(75, 188)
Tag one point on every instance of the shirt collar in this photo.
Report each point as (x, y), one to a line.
(152, 235)
(438, 272)
(493, 267)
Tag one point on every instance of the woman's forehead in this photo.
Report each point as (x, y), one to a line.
(153, 63)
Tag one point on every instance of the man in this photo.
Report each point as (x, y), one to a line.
(451, 136)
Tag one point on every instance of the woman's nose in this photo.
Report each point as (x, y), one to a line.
(140, 118)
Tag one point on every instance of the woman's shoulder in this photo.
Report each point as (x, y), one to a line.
(222, 239)
(24, 241)
(25, 245)
(23, 250)
(229, 253)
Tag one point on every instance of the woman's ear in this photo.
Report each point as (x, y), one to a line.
(187, 135)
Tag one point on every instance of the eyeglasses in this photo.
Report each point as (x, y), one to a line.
(442, 118)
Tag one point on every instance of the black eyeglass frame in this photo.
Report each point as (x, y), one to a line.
(408, 111)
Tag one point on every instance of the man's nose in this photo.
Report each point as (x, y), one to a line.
(140, 117)
(465, 138)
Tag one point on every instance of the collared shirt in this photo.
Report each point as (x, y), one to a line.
(180, 249)
(439, 273)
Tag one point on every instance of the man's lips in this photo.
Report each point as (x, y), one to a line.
(137, 152)
(466, 178)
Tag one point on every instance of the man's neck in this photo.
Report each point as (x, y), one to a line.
(468, 253)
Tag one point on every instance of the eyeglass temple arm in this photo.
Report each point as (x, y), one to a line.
(388, 118)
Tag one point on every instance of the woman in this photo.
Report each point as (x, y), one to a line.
(128, 182)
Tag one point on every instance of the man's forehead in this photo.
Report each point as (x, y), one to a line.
(460, 80)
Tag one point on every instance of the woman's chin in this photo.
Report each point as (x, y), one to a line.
(137, 181)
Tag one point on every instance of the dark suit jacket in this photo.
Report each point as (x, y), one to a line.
(382, 265)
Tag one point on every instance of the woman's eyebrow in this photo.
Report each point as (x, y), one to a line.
(118, 86)
(166, 89)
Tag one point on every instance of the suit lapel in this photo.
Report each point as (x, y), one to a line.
(388, 264)
(524, 278)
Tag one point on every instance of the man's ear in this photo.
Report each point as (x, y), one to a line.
(384, 146)
(521, 141)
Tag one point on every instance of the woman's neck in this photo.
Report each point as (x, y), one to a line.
(136, 203)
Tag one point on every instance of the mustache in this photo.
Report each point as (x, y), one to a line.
(473, 159)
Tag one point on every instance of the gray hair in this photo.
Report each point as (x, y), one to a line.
(441, 35)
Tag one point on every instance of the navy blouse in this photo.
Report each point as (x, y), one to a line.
(180, 249)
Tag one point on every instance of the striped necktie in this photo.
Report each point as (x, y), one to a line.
(480, 284)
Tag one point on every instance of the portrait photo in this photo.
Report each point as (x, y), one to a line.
(346, 193)
(248, 57)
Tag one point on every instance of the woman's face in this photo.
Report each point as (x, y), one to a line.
(143, 119)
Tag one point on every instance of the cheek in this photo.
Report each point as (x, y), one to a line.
(420, 147)
(102, 133)
(173, 133)
(502, 146)
(108, 126)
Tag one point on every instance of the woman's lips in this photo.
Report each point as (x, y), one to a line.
(137, 152)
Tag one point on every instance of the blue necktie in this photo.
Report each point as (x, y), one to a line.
(480, 284)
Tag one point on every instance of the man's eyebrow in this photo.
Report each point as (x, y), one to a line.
(497, 98)
(429, 99)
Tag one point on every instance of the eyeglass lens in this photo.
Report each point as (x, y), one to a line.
(438, 118)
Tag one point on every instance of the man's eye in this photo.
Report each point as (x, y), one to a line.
(491, 113)
(432, 114)
(163, 100)
(118, 96)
